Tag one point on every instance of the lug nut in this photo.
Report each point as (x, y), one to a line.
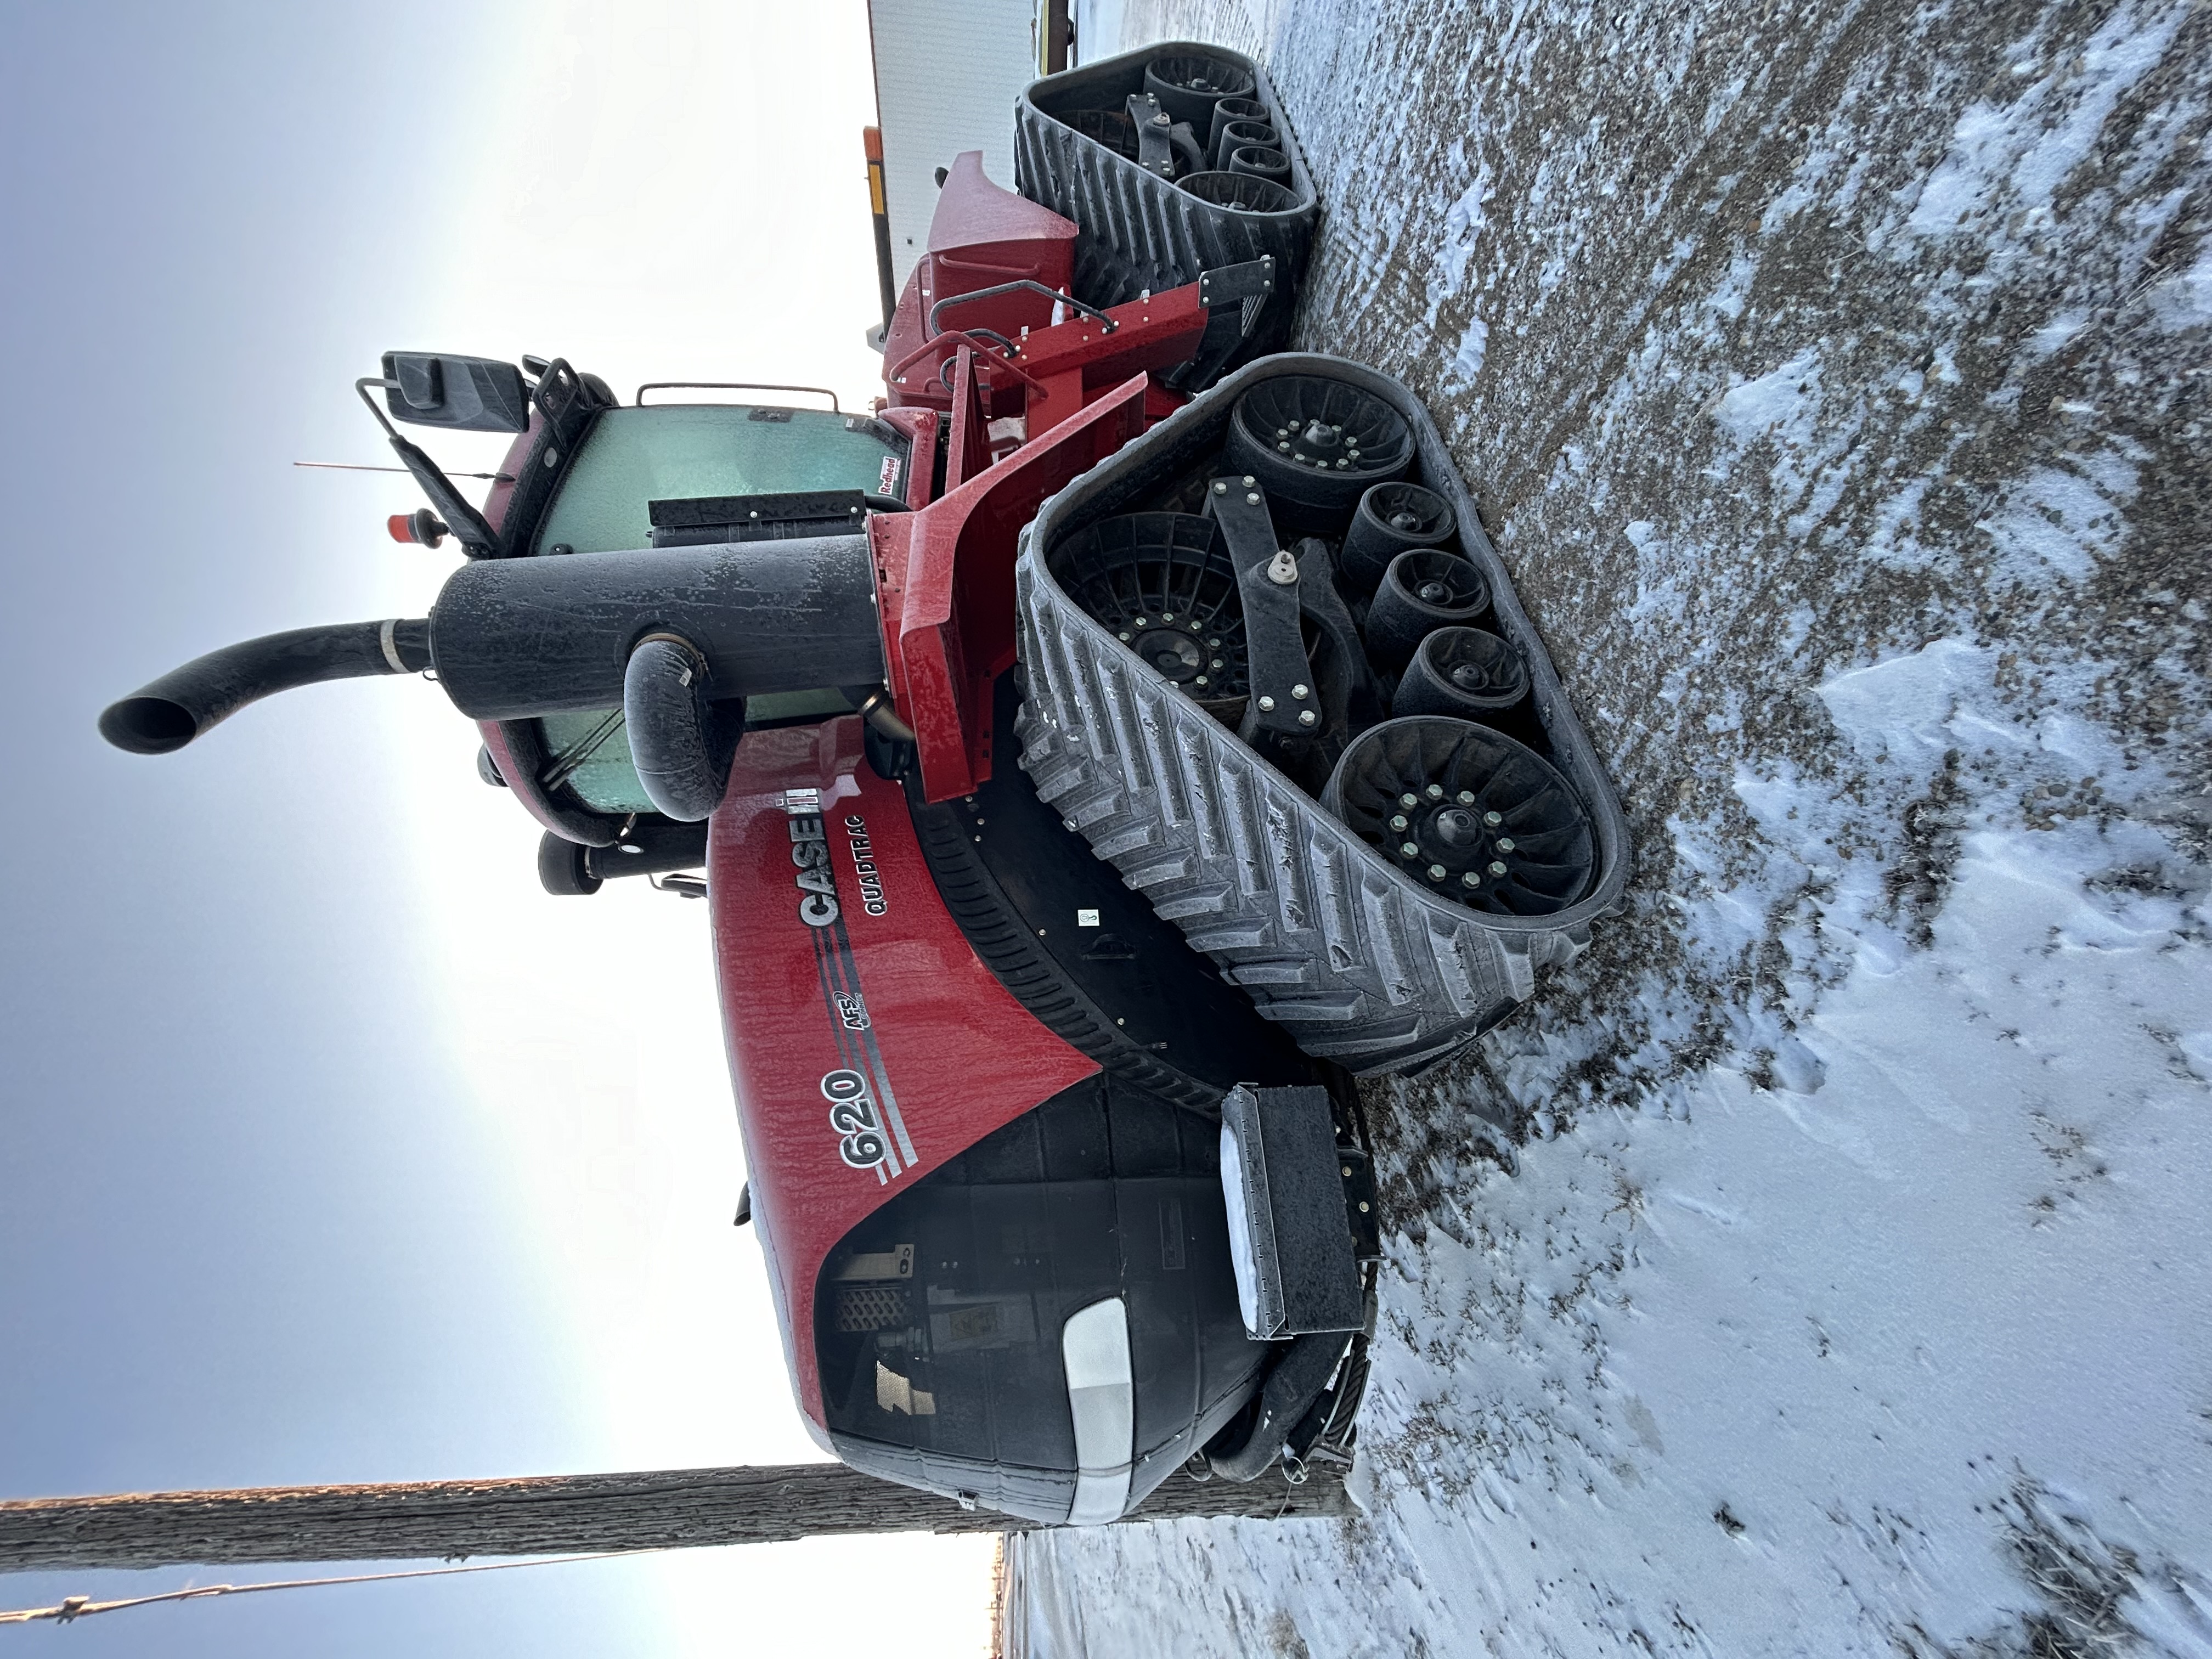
(1298, 690)
(1506, 843)
(1493, 819)
(1221, 490)
(1470, 879)
(1435, 792)
(1497, 868)
(1125, 639)
(1436, 873)
(1201, 679)
(1409, 849)
(1266, 703)
(1307, 717)
(1217, 663)
(1399, 821)
(1252, 500)
(1467, 798)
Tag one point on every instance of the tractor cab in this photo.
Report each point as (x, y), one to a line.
(667, 471)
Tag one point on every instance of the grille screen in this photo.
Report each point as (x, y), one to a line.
(863, 1308)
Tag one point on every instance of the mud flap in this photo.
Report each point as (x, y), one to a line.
(1289, 1235)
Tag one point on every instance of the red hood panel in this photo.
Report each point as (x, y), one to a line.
(867, 1044)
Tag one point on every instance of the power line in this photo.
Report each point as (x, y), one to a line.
(73, 1607)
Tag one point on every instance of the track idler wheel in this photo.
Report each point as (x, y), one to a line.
(1316, 445)
(1391, 519)
(1466, 673)
(1422, 590)
(1465, 811)
(1189, 85)
(1227, 111)
(1165, 584)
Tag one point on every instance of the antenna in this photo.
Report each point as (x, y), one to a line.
(355, 466)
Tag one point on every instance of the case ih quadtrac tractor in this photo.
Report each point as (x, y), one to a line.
(1097, 756)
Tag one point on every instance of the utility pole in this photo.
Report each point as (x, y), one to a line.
(552, 1515)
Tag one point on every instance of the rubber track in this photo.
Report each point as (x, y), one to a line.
(1140, 233)
(1294, 908)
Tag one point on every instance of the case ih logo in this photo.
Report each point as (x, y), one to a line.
(809, 855)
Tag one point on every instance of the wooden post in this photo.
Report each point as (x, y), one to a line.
(551, 1515)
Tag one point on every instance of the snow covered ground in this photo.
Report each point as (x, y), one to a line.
(1822, 1265)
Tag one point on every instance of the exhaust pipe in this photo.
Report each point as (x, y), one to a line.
(169, 713)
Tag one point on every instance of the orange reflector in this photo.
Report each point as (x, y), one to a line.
(402, 526)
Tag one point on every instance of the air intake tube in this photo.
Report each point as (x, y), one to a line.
(513, 639)
(174, 709)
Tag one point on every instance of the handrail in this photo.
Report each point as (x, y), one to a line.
(733, 386)
(1024, 286)
(928, 346)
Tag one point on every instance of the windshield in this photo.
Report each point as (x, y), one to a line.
(683, 452)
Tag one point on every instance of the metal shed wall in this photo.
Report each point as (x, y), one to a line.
(947, 75)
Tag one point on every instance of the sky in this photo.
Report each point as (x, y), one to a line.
(331, 1149)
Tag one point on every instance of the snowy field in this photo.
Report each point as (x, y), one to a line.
(1822, 1266)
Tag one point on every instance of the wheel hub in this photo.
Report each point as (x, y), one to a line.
(1179, 656)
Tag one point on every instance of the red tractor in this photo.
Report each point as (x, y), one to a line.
(1097, 756)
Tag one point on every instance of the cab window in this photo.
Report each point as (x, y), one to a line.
(677, 451)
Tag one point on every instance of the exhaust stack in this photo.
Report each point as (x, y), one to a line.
(169, 713)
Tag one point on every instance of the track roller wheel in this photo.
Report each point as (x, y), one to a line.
(1239, 189)
(1466, 673)
(1258, 163)
(1233, 135)
(1391, 519)
(1465, 811)
(1227, 112)
(1422, 590)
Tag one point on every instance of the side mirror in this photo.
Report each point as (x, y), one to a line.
(474, 394)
